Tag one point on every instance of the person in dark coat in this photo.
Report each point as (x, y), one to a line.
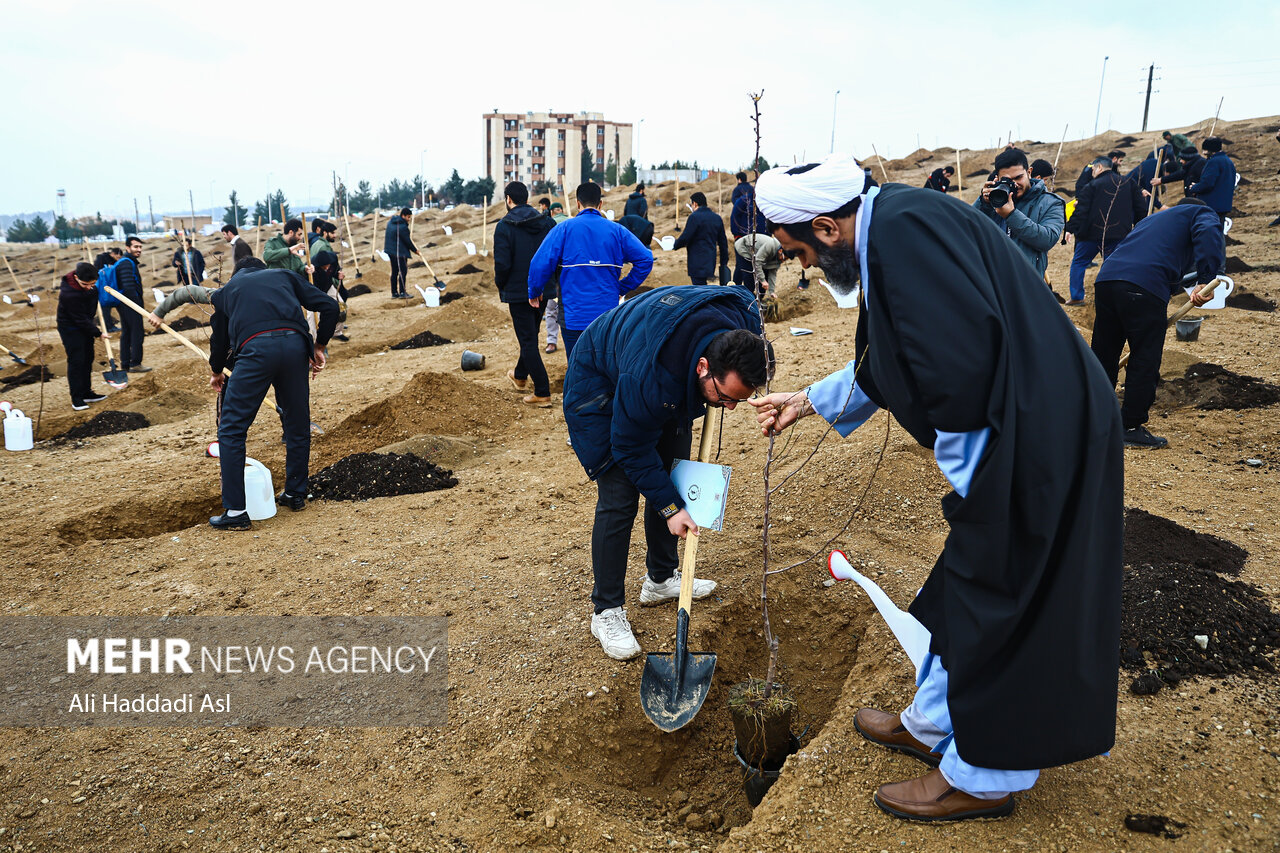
(961, 342)
(743, 187)
(399, 247)
(78, 327)
(702, 237)
(744, 219)
(258, 323)
(189, 255)
(108, 259)
(240, 249)
(1086, 174)
(640, 227)
(638, 378)
(1142, 174)
(1217, 184)
(637, 204)
(129, 282)
(1189, 169)
(1133, 290)
(1105, 212)
(940, 179)
(516, 239)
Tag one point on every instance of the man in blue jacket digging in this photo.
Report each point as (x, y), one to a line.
(638, 378)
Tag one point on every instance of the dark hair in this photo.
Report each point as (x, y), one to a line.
(950, 170)
(803, 231)
(250, 263)
(1116, 153)
(329, 227)
(517, 192)
(640, 187)
(293, 225)
(317, 225)
(1212, 144)
(230, 229)
(1009, 158)
(131, 239)
(545, 201)
(588, 194)
(1166, 134)
(1190, 199)
(742, 352)
(1044, 169)
(741, 176)
(115, 251)
(85, 272)
(404, 211)
(699, 199)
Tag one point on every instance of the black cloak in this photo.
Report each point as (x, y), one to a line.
(1024, 601)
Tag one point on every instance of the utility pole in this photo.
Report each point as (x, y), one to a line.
(1146, 108)
(151, 211)
(834, 102)
(191, 197)
(137, 218)
(1097, 115)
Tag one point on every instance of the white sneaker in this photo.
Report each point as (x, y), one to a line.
(669, 590)
(613, 631)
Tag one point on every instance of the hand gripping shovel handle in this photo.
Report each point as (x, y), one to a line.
(1181, 312)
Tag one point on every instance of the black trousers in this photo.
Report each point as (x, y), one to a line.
(1127, 312)
(616, 502)
(79, 347)
(278, 360)
(131, 332)
(399, 273)
(527, 320)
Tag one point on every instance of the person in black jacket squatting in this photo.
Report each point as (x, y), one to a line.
(258, 323)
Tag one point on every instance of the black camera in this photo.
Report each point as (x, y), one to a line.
(1001, 192)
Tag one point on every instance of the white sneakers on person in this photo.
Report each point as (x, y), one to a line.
(613, 631)
(669, 590)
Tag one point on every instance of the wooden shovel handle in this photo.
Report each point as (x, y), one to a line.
(710, 422)
(1180, 313)
(106, 341)
(124, 300)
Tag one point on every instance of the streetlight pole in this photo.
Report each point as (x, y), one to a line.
(268, 199)
(422, 177)
(211, 183)
(834, 102)
(1098, 114)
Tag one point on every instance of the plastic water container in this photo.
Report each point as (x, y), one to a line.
(431, 295)
(668, 243)
(259, 493)
(17, 431)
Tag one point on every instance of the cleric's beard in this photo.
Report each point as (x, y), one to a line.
(840, 265)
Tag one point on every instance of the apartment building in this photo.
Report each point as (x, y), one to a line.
(533, 147)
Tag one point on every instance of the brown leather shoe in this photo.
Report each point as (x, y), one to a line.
(518, 384)
(535, 400)
(887, 730)
(932, 798)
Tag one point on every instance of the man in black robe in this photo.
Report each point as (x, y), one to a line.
(960, 341)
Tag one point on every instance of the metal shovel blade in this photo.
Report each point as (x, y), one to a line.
(115, 377)
(674, 686)
(19, 359)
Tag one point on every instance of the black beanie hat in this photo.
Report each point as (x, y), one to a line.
(1213, 144)
(323, 258)
(85, 272)
(1189, 153)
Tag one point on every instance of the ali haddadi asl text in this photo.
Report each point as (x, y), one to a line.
(114, 703)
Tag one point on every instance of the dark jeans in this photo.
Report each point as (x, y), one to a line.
(79, 347)
(526, 320)
(1126, 312)
(399, 274)
(616, 503)
(570, 337)
(274, 359)
(131, 332)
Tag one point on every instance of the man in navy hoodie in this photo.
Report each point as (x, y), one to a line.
(1132, 295)
(1217, 184)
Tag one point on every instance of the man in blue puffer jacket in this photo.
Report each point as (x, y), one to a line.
(590, 252)
(1217, 184)
(637, 380)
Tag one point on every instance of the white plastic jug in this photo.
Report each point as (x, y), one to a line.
(17, 430)
(259, 494)
(431, 295)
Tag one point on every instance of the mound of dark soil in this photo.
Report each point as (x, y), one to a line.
(1235, 265)
(359, 290)
(420, 340)
(1211, 387)
(379, 475)
(105, 423)
(1155, 540)
(1174, 591)
(978, 173)
(446, 298)
(467, 269)
(1126, 141)
(1232, 241)
(30, 376)
(1250, 302)
(183, 324)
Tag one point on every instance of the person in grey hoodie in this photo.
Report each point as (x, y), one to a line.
(1033, 217)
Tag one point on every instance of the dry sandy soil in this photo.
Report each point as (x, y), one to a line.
(546, 746)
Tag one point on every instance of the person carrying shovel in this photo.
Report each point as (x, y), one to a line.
(638, 378)
(78, 328)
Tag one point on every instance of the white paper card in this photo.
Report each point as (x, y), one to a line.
(705, 489)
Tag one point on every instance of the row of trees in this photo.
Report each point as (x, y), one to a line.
(37, 229)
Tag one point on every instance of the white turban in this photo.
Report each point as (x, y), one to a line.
(788, 199)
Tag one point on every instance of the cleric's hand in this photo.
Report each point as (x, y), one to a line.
(780, 410)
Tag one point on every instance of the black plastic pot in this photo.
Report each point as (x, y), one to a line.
(756, 781)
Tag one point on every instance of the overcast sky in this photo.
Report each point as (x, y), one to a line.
(116, 101)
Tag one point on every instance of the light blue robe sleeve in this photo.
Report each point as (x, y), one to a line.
(830, 397)
(958, 455)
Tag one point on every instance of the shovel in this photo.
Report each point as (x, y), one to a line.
(114, 377)
(674, 686)
(438, 285)
(13, 355)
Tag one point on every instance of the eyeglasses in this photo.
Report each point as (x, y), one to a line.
(721, 398)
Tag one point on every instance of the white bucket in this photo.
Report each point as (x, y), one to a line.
(17, 431)
(259, 493)
(471, 248)
(448, 231)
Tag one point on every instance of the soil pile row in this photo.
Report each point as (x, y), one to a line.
(420, 340)
(1174, 592)
(183, 324)
(379, 475)
(1211, 387)
(1250, 302)
(105, 423)
(30, 376)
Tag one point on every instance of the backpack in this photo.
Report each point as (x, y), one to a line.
(107, 278)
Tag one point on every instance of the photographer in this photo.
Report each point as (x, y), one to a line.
(1022, 208)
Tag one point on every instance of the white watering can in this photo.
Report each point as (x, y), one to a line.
(259, 493)
(17, 430)
(430, 295)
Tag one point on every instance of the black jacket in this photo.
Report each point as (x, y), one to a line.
(256, 301)
(197, 266)
(1086, 175)
(397, 243)
(77, 307)
(744, 206)
(938, 180)
(639, 226)
(1106, 210)
(703, 233)
(516, 239)
(637, 205)
(1188, 172)
(128, 279)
